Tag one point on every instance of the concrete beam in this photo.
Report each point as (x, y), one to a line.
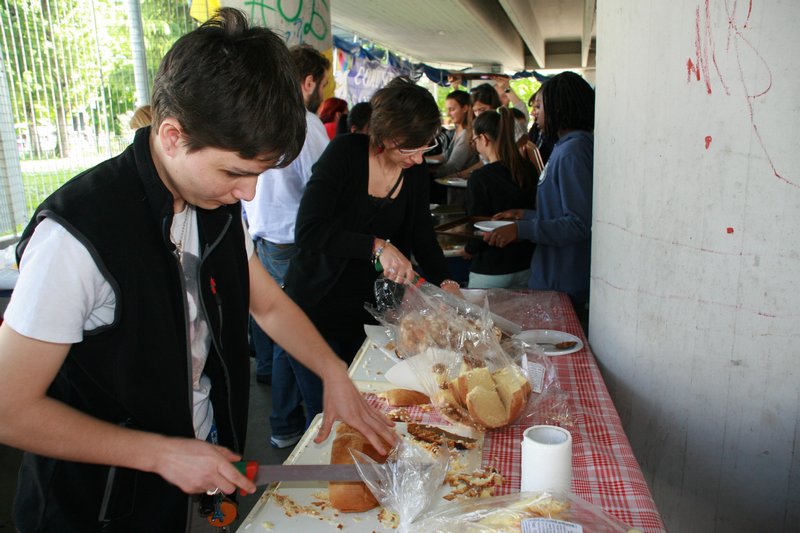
(522, 16)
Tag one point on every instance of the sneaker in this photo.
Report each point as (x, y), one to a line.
(285, 441)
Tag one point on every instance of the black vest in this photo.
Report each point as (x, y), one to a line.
(136, 372)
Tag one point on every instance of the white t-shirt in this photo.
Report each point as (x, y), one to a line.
(272, 212)
(55, 304)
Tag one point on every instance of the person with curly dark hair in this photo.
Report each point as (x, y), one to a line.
(561, 224)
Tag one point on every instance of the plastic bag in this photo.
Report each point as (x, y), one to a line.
(454, 351)
(550, 511)
(548, 402)
(407, 482)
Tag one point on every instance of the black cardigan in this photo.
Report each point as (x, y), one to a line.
(337, 222)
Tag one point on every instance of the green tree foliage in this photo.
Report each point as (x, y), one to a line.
(69, 63)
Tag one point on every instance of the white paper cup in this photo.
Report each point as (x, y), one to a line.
(546, 459)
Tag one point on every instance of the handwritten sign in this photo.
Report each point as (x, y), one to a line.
(297, 21)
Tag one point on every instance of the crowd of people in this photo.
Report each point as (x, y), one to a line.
(264, 217)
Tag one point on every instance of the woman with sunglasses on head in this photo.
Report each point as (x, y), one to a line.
(365, 208)
(507, 181)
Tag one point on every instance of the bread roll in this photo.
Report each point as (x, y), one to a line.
(351, 496)
(404, 397)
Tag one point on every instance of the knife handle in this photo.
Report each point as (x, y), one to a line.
(249, 469)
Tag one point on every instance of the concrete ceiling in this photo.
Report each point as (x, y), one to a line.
(511, 34)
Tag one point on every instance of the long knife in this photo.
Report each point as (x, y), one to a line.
(265, 474)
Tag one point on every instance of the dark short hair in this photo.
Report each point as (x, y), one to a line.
(309, 62)
(359, 116)
(232, 87)
(404, 112)
(485, 94)
(568, 103)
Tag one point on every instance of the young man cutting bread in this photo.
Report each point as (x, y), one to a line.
(124, 368)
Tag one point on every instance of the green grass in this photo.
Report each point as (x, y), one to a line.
(39, 184)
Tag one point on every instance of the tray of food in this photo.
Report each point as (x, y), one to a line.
(320, 506)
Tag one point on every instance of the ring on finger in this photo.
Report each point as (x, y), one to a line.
(213, 491)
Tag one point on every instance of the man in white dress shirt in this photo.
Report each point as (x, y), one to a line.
(271, 216)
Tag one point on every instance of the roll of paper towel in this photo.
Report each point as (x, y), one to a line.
(546, 459)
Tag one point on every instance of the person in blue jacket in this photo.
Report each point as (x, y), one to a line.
(562, 221)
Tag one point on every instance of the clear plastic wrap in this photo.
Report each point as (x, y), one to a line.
(455, 352)
(407, 482)
(474, 373)
(551, 512)
(548, 403)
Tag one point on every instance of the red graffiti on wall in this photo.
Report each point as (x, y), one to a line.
(736, 43)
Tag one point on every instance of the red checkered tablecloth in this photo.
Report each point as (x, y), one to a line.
(604, 469)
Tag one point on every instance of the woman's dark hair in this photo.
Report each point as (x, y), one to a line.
(359, 116)
(404, 112)
(232, 87)
(498, 127)
(330, 106)
(485, 94)
(568, 102)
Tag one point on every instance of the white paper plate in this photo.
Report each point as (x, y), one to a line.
(403, 375)
(533, 337)
(491, 225)
(378, 336)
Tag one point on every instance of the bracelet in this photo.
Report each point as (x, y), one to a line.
(449, 283)
(376, 255)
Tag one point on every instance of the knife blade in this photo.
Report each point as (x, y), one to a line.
(265, 474)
